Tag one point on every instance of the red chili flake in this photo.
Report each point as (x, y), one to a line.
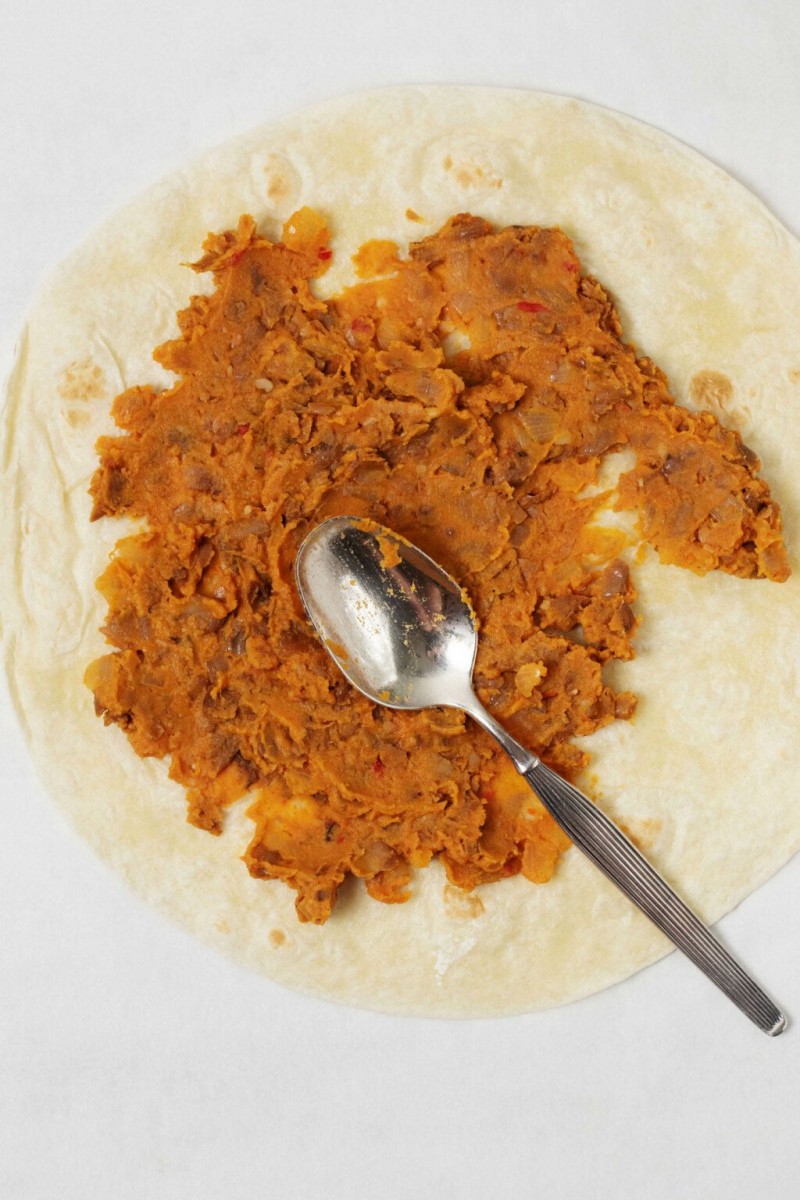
(378, 767)
(340, 839)
(531, 306)
(570, 266)
(549, 695)
(488, 793)
(242, 430)
(360, 325)
(324, 253)
(511, 868)
(234, 258)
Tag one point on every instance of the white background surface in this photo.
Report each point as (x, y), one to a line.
(137, 1064)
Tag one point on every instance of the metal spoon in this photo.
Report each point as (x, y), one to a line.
(403, 632)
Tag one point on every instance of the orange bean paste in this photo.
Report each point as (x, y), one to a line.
(467, 399)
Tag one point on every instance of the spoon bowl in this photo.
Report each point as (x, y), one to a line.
(397, 625)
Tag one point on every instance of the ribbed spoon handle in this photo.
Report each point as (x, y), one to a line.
(610, 850)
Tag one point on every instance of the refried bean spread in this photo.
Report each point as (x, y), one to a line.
(473, 397)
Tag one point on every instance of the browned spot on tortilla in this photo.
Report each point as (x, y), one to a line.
(794, 375)
(469, 174)
(278, 188)
(82, 380)
(642, 831)
(222, 926)
(711, 389)
(281, 181)
(277, 938)
(76, 417)
(460, 905)
(412, 216)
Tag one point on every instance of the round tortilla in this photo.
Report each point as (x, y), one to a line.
(706, 776)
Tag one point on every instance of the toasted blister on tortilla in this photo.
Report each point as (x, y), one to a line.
(705, 777)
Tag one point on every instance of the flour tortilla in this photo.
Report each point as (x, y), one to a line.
(706, 777)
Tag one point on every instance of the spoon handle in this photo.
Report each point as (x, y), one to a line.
(617, 857)
(610, 850)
